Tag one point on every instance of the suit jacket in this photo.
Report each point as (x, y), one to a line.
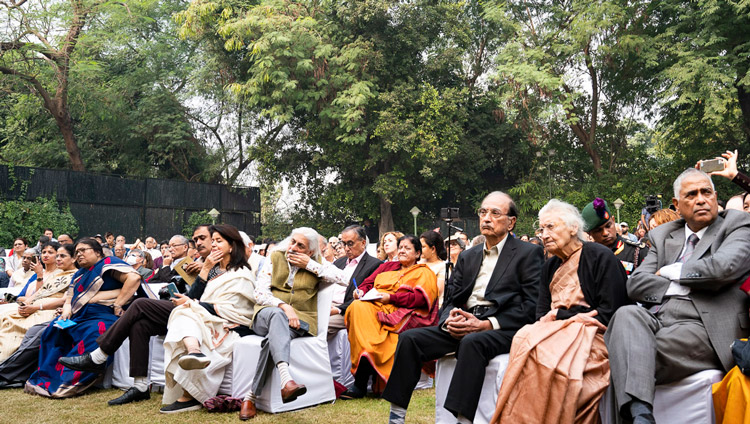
(714, 272)
(364, 268)
(513, 287)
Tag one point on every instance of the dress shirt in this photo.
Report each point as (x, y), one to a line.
(339, 292)
(326, 271)
(489, 261)
(674, 270)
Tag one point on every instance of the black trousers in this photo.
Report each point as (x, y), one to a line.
(473, 353)
(143, 319)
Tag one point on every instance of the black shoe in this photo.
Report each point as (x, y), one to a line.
(131, 395)
(177, 407)
(353, 393)
(83, 363)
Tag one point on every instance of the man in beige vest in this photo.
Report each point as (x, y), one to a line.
(287, 307)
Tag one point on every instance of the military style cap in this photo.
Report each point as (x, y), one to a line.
(595, 214)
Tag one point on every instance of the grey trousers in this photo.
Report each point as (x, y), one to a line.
(646, 349)
(272, 323)
(19, 366)
(335, 324)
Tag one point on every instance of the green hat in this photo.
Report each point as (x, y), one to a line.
(595, 214)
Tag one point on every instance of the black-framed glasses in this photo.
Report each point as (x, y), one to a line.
(83, 249)
(349, 244)
(494, 212)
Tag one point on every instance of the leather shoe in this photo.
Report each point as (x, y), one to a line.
(248, 410)
(291, 391)
(131, 395)
(83, 363)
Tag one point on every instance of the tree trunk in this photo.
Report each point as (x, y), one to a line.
(386, 215)
(65, 123)
(743, 95)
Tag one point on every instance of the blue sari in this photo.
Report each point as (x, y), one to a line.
(54, 380)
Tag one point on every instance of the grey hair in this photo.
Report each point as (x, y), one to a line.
(138, 252)
(30, 251)
(311, 235)
(687, 173)
(568, 213)
(245, 238)
(359, 231)
(182, 239)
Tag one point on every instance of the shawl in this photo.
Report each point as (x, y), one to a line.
(87, 282)
(419, 279)
(59, 282)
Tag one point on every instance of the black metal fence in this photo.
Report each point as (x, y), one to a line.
(133, 207)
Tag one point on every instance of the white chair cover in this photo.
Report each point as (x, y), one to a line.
(156, 368)
(425, 382)
(121, 367)
(493, 378)
(339, 353)
(686, 401)
(310, 365)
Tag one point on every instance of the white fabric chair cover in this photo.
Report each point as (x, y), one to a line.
(686, 401)
(339, 353)
(425, 382)
(121, 367)
(310, 365)
(156, 368)
(493, 378)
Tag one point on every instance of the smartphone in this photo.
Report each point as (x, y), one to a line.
(712, 165)
(172, 289)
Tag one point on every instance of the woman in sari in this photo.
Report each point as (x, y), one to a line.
(434, 256)
(408, 298)
(40, 306)
(559, 368)
(14, 261)
(200, 337)
(95, 298)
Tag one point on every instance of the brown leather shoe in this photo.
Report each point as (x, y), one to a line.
(292, 391)
(248, 410)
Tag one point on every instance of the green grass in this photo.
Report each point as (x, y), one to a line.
(21, 408)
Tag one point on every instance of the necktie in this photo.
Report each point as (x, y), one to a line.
(691, 242)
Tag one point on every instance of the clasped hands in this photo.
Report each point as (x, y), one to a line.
(460, 323)
(586, 318)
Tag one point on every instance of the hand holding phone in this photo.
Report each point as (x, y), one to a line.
(172, 289)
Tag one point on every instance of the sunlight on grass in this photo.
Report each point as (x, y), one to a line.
(19, 407)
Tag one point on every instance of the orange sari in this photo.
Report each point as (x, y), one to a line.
(373, 327)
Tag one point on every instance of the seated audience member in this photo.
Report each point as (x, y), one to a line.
(662, 216)
(177, 255)
(42, 241)
(736, 202)
(200, 337)
(600, 225)
(524, 237)
(339, 251)
(253, 259)
(64, 239)
(625, 228)
(328, 252)
(479, 318)
(138, 261)
(463, 236)
(408, 299)
(38, 306)
(388, 248)
(4, 279)
(357, 266)
(120, 250)
(109, 238)
(535, 240)
(49, 233)
(692, 306)
(582, 285)
(25, 272)
(434, 256)
(143, 319)
(96, 298)
(294, 274)
(14, 260)
(454, 246)
(476, 241)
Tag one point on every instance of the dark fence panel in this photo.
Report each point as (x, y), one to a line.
(133, 207)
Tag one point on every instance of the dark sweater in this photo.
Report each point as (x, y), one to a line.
(602, 278)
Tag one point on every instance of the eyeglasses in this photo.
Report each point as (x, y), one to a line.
(177, 245)
(495, 213)
(83, 249)
(349, 244)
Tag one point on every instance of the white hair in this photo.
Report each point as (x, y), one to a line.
(687, 173)
(179, 237)
(310, 235)
(567, 213)
(245, 238)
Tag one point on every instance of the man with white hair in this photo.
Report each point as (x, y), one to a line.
(693, 308)
(286, 292)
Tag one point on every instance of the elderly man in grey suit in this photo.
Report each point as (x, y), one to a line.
(693, 307)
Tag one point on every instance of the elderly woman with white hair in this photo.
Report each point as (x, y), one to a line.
(287, 307)
(582, 286)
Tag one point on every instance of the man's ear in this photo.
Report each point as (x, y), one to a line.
(675, 202)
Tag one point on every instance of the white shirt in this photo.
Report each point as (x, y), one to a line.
(674, 270)
(489, 261)
(339, 292)
(327, 272)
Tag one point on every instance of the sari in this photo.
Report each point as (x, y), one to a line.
(13, 326)
(373, 327)
(558, 370)
(231, 295)
(54, 380)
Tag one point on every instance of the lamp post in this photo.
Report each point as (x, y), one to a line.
(213, 213)
(618, 204)
(415, 211)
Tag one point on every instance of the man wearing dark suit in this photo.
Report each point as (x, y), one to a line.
(357, 265)
(693, 307)
(493, 294)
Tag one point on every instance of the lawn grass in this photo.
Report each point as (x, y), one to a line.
(21, 408)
